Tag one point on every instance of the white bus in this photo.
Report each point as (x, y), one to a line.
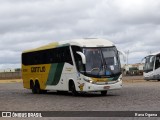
(82, 65)
(152, 67)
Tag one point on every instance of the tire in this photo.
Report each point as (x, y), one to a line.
(73, 89)
(43, 91)
(103, 93)
(62, 92)
(32, 86)
(37, 87)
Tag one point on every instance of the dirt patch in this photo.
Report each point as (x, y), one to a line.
(133, 79)
(11, 81)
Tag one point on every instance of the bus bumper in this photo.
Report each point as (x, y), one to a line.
(89, 87)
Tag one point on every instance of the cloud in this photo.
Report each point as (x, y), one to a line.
(132, 25)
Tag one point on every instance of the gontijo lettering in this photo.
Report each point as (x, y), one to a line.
(38, 69)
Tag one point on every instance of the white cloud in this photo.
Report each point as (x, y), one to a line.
(132, 25)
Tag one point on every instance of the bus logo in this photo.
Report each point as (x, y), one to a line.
(38, 69)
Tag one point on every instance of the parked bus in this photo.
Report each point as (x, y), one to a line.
(152, 67)
(82, 65)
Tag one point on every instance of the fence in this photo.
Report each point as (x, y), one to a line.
(10, 75)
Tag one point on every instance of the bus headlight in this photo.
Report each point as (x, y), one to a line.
(119, 79)
(88, 80)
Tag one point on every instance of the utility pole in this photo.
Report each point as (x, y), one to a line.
(127, 53)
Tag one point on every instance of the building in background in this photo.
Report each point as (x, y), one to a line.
(10, 73)
(7, 70)
(133, 69)
(10, 70)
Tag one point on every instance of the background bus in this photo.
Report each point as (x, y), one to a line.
(152, 67)
(82, 65)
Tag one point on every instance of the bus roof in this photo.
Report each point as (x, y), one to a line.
(155, 53)
(87, 42)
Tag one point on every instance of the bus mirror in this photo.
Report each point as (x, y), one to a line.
(123, 54)
(82, 56)
(143, 60)
(152, 59)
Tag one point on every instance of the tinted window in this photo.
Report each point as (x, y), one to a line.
(55, 55)
(77, 58)
(157, 64)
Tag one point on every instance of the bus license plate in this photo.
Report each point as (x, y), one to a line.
(106, 87)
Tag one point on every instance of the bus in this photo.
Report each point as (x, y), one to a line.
(152, 67)
(81, 65)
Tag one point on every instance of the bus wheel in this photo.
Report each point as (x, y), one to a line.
(62, 92)
(37, 87)
(73, 89)
(33, 87)
(104, 93)
(43, 91)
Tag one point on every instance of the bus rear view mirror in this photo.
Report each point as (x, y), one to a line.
(152, 59)
(143, 60)
(123, 54)
(82, 56)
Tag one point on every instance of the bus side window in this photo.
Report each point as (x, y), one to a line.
(77, 58)
(55, 55)
(67, 55)
(157, 64)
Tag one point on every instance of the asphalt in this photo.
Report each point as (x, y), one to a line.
(134, 96)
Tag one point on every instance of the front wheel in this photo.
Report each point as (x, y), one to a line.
(73, 89)
(104, 93)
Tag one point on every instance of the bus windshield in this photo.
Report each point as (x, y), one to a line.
(102, 62)
(149, 63)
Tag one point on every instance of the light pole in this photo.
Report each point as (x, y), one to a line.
(127, 53)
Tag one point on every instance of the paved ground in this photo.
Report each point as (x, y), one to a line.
(137, 95)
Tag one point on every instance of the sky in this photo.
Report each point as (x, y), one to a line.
(133, 25)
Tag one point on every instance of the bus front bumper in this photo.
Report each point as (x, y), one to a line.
(89, 87)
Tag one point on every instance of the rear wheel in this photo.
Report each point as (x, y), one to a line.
(104, 93)
(32, 86)
(37, 87)
(44, 91)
